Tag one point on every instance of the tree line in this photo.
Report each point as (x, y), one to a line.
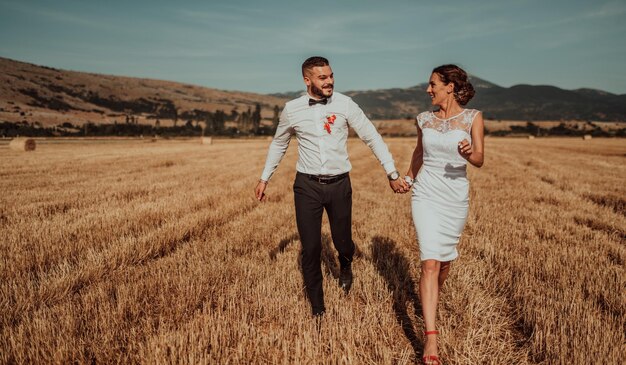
(194, 123)
(191, 123)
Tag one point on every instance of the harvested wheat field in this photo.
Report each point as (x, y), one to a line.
(138, 252)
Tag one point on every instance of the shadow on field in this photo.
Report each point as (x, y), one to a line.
(395, 269)
(282, 245)
(329, 254)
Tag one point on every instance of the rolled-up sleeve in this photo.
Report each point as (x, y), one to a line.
(279, 145)
(368, 133)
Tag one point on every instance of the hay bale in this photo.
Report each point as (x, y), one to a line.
(22, 144)
(586, 137)
(531, 137)
(206, 140)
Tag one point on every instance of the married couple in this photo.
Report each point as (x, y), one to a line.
(447, 138)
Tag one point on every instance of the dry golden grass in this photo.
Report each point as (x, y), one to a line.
(141, 252)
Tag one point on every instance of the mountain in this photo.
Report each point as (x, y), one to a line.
(542, 102)
(50, 96)
(519, 102)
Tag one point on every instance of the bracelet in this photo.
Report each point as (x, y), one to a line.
(263, 181)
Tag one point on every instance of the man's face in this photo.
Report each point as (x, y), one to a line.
(320, 81)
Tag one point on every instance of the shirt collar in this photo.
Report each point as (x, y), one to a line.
(330, 98)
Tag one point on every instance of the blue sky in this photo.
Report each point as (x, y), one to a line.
(259, 46)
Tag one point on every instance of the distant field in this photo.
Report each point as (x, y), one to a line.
(139, 252)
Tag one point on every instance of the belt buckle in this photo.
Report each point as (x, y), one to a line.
(323, 179)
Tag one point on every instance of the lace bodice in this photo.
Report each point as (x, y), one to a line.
(440, 137)
(461, 121)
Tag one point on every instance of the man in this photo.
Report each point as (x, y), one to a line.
(320, 121)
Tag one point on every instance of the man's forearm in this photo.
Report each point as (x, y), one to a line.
(274, 156)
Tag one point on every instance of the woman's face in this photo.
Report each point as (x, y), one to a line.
(438, 91)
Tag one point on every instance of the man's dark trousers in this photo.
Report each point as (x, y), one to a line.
(311, 198)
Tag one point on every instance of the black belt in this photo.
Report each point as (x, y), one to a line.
(325, 179)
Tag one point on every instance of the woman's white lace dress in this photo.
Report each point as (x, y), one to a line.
(440, 194)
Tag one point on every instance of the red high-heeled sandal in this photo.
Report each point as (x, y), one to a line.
(431, 359)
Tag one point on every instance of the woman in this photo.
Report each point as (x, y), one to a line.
(447, 139)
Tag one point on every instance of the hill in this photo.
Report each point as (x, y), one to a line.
(40, 95)
(51, 96)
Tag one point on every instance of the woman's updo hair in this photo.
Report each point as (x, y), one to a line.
(463, 89)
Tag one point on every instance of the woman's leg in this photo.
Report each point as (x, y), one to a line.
(429, 296)
(443, 273)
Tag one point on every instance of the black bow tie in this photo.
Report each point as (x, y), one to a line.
(320, 101)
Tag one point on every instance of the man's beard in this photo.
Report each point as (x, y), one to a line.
(319, 92)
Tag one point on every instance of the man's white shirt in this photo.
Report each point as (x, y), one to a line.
(321, 152)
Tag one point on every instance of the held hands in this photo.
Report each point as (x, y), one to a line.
(399, 186)
(259, 191)
(465, 149)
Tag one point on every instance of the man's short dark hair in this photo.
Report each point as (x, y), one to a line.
(315, 61)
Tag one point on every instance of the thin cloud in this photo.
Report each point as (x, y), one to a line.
(65, 17)
(209, 17)
(609, 10)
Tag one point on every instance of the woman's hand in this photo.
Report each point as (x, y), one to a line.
(465, 149)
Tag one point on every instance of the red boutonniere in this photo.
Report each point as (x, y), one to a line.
(330, 119)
